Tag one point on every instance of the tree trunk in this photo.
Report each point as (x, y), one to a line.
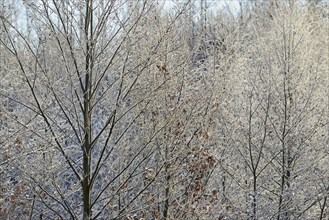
(86, 183)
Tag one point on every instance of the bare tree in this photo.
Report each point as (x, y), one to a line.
(277, 115)
(87, 89)
(131, 109)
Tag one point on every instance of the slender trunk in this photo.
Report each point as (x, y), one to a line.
(282, 180)
(253, 164)
(166, 208)
(288, 177)
(283, 141)
(323, 208)
(254, 201)
(167, 191)
(86, 186)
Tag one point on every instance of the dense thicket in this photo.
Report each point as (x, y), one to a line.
(153, 109)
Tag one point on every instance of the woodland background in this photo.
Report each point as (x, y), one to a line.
(133, 109)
